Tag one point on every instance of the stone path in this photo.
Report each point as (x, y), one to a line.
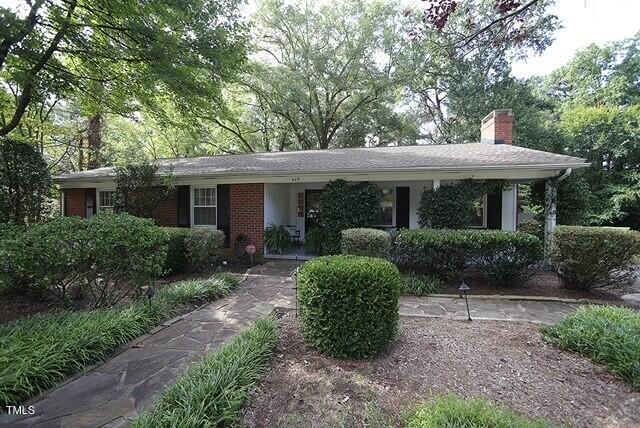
(116, 392)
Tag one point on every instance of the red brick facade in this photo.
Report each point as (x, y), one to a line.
(247, 213)
(74, 202)
(497, 127)
(167, 215)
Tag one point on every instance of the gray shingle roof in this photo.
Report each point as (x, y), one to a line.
(389, 159)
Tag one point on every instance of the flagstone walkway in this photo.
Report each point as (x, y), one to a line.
(115, 393)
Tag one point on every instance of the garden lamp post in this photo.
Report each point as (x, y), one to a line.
(463, 291)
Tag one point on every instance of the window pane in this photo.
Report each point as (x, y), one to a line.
(106, 199)
(204, 216)
(385, 215)
(204, 196)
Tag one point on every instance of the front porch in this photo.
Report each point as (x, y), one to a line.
(296, 206)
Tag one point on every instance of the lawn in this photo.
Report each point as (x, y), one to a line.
(38, 352)
(505, 363)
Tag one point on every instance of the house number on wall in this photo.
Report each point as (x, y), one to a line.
(295, 179)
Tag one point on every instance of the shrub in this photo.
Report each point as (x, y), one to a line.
(451, 411)
(124, 250)
(502, 256)
(420, 285)
(607, 335)
(25, 183)
(39, 352)
(532, 227)
(107, 256)
(139, 189)
(10, 279)
(50, 258)
(349, 304)
(277, 239)
(450, 206)
(176, 260)
(213, 391)
(588, 257)
(314, 240)
(201, 245)
(366, 242)
(363, 200)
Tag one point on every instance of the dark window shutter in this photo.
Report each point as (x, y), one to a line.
(402, 207)
(184, 207)
(224, 211)
(494, 210)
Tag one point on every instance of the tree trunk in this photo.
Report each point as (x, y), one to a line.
(94, 140)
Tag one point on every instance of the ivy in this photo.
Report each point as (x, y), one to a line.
(450, 206)
(25, 183)
(346, 205)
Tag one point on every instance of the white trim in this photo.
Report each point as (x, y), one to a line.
(103, 190)
(192, 206)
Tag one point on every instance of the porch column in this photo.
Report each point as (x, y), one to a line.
(509, 207)
(550, 200)
(436, 183)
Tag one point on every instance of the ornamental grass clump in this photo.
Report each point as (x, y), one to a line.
(349, 305)
(453, 412)
(607, 335)
(213, 392)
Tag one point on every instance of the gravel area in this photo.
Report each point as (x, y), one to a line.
(506, 362)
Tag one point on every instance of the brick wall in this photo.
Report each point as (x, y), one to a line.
(167, 214)
(74, 202)
(497, 127)
(247, 213)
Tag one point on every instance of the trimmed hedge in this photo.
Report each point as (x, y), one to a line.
(503, 257)
(451, 411)
(190, 249)
(607, 335)
(588, 257)
(349, 305)
(366, 242)
(38, 352)
(212, 392)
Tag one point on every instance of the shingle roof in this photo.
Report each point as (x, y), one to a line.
(389, 159)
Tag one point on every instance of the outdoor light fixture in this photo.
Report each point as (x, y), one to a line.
(463, 291)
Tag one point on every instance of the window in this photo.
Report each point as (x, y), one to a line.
(106, 200)
(479, 212)
(204, 206)
(385, 215)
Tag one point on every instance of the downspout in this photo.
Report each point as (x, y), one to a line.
(550, 211)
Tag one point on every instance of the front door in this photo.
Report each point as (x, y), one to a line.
(311, 209)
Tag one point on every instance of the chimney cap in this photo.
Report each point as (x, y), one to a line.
(496, 113)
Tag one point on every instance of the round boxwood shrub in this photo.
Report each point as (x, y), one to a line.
(366, 242)
(349, 305)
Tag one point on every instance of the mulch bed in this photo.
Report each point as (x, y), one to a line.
(506, 362)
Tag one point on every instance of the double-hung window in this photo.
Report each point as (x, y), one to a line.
(385, 214)
(479, 215)
(106, 200)
(205, 211)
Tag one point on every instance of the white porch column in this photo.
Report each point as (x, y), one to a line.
(510, 207)
(436, 183)
(550, 199)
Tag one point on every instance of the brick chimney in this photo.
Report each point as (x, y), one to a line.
(497, 127)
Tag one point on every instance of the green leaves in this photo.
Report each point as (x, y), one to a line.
(587, 257)
(277, 239)
(366, 242)
(349, 305)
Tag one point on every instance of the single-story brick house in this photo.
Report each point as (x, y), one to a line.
(242, 194)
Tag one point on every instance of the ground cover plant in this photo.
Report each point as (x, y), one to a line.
(420, 285)
(607, 335)
(587, 257)
(454, 412)
(36, 353)
(213, 391)
(349, 304)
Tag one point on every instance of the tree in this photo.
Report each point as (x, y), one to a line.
(324, 74)
(120, 55)
(139, 190)
(25, 183)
